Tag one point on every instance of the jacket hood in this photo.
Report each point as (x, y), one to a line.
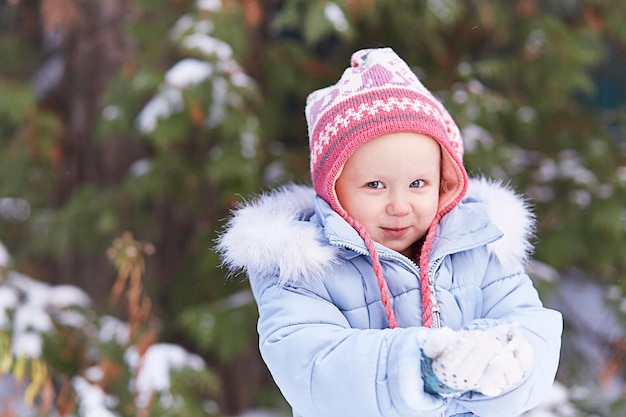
(268, 234)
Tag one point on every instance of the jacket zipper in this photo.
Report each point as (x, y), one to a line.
(431, 284)
(408, 262)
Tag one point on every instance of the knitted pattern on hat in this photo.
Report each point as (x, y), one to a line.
(377, 95)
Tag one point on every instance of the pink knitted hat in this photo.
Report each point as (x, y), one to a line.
(377, 95)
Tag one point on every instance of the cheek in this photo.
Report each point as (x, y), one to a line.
(367, 211)
(428, 208)
(362, 210)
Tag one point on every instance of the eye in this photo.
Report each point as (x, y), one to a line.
(374, 184)
(418, 184)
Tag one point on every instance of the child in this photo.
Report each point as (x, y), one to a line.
(396, 287)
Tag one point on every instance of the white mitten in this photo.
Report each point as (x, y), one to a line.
(487, 361)
(508, 365)
(459, 359)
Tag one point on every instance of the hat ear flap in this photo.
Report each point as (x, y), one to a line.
(453, 182)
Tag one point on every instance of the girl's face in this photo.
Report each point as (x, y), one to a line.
(390, 185)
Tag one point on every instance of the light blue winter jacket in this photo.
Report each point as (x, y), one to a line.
(323, 330)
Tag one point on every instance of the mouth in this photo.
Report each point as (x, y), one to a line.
(395, 231)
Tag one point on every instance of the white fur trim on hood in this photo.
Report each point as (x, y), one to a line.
(266, 235)
(511, 213)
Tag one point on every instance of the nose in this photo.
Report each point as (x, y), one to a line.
(398, 204)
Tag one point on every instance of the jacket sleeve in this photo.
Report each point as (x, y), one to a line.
(324, 368)
(508, 295)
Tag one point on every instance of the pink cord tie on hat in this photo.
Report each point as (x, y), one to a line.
(377, 95)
